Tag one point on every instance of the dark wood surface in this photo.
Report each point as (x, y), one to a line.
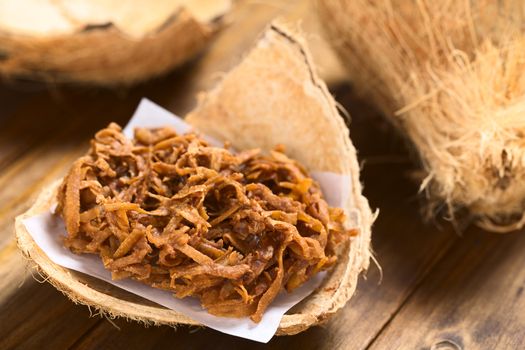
(440, 290)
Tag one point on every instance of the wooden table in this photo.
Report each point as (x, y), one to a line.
(440, 289)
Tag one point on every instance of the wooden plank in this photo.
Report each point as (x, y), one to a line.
(31, 313)
(63, 120)
(473, 298)
(12, 95)
(35, 315)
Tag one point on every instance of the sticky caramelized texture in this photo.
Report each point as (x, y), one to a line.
(169, 210)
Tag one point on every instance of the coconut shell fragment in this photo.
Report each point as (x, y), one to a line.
(103, 42)
(449, 74)
(272, 97)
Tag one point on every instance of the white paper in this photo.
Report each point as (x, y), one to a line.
(47, 230)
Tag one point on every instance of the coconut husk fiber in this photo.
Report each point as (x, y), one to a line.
(103, 42)
(449, 74)
(273, 96)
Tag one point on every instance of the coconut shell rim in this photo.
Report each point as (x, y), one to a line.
(88, 27)
(63, 59)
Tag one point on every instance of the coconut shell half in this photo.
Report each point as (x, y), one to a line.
(272, 97)
(103, 42)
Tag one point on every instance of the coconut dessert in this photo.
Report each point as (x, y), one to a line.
(171, 211)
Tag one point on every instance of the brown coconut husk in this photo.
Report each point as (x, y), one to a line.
(103, 42)
(273, 96)
(450, 75)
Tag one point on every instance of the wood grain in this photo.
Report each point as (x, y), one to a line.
(438, 288)
(472, 298)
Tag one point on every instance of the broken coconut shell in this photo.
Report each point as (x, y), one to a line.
(273, 96)
(103, 42)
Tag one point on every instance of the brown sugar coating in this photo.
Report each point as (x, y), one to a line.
(171, 211)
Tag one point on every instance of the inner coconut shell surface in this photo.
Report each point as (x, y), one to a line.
(272, 97)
